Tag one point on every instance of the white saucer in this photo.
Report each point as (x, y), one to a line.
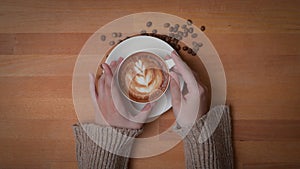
(147, 44)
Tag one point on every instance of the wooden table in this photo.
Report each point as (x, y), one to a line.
(258, 42)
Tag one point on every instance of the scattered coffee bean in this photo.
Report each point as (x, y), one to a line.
(190, 51)
(179, 37)
(149, 24)
(176, 25)
(185, 34)
(195, 43)
(185, 48)
(194, 35)
(180, 33)
(191, 30)
(183, 26)
(171, 35)
(166, 25)
(186, 30)
(194, 53)
(175, 29)
(175, 41)
(103, 37)
(114, 34)
(168, 39)
(111, 43)
(119, 34)
(143, 31)
(189, 22)
(171, 29)
(154, 31)
(202, 28)
(195, 49)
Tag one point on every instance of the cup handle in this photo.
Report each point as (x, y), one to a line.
(170, 63)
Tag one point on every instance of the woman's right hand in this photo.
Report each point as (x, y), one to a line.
(190, 107)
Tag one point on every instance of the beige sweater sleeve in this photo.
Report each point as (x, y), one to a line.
(208, 144)
(101, 147)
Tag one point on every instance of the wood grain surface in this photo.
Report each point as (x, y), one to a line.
(258, 43)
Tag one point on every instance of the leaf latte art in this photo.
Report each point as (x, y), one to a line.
(143, 77)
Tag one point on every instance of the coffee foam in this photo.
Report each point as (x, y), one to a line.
(143, 76)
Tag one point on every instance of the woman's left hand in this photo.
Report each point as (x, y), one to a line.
(109, 107)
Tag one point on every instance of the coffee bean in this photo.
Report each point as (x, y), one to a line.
(171, 35)
(111, 43)
(154, 31)
(119, 34)
(183, 26)
(185, 34)
(194, 43)
(175, 29)
(186, 30)
(194, 54)
(143, 31)
(174, 40)
(194, 35)
(195, 49)
(180, 33)
(103, 37)
(189, 22)
(190, 51)
(185, 48)
(179, 37)
(176, 26)
(168, 39)
(166, 25)
(202, 28)
(114, 34)
(149, 24)
(191, 30)
(171, 29)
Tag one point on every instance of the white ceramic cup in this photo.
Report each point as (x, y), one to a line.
(168, 64)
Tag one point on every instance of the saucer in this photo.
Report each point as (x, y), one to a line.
(146, 44)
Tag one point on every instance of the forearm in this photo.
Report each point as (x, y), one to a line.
(103, 147)
(214, 148)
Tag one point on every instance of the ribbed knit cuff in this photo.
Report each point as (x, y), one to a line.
(208, 144)
(103, 146)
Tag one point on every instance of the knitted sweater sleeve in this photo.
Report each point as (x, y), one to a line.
(103, 147)
(208, 143)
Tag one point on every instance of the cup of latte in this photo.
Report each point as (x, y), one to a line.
(143, 77)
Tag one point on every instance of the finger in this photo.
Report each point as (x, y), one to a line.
(101, 86)
(176, 96)
(120, 60)
(92, 86)
(186, 72)
(108, 76)
(112, 63)
(113, 66)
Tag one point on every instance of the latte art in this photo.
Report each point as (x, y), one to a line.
(143, 77)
